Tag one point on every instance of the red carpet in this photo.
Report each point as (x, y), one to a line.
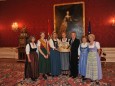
(11, 74)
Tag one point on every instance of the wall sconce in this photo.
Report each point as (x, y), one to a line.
(113, 22)
(15, 26)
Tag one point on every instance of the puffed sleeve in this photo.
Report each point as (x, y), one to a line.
(39, 43)
(27, 49)
(51, 44)
(98, 45)
(37, 47)
(58, 40)
(68, 40)
(79, 50)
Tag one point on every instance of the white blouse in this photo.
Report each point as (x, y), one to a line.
(51, 44)
(97, 44)
(28, 47)
(83, 46)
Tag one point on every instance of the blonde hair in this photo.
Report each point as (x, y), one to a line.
(91, 35)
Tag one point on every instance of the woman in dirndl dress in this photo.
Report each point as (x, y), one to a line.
(44, 60)
(83, 53)
(31, 64)
(93, 70)
(55, 55)
(64, 44)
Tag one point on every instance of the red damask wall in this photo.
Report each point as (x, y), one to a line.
(35, 14)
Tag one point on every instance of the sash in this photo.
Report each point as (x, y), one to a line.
(44, 44)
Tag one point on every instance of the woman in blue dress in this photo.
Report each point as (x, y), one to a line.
(55, 55)
(83, 53)
(93, 69)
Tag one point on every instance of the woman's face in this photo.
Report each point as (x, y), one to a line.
(42, 35)
(54, 35)
(33, 39)
(63, 35)
(67, 12)
(91, 38)
(84, 40)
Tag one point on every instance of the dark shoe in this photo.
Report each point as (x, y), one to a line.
(52, 75)
(84, 79)
(74, 76)
(91, 81)
(48, 74)
(44, 76)
(70, 76)
(33, 79)
(97, 83)
(56, 75)
(66, 74)
(63, 74)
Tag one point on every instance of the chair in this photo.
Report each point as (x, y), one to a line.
(103, 57)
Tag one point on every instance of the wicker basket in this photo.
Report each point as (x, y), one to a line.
(63, 50)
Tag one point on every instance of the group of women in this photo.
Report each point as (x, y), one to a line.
(45, 57)
(89, 61)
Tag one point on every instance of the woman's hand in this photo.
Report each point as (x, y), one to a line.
(55, 49)
(45, 56)
(29, 60)
(48, 52)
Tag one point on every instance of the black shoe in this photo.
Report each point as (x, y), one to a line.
(66, 74)
(63, 74)
(33, 79)
(57, 75)
(48, 74)
(84, 79)
(74, 76)
(52, 75)
(70, 76)
(91, 81)
(44, 76)
(97, 83)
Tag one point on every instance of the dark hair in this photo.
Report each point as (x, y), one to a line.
(54, 33)
(84, 37)
(30, 38)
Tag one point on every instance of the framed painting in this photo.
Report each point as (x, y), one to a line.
(69, 17)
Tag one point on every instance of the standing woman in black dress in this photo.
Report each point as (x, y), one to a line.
(31, 65)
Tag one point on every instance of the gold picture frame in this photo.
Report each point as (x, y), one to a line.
(75, 12)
